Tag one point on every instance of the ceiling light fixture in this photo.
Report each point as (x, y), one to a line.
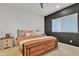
(57, 6)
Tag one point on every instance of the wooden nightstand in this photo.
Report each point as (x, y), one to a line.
(6, 42)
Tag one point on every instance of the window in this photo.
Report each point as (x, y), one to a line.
(65, 24)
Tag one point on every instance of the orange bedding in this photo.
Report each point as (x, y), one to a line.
(33, 40)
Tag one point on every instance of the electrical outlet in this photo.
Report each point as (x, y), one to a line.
(70, 41)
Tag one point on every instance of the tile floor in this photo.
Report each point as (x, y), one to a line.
(62, 50)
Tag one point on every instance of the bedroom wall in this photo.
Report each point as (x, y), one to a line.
(63, 37)
(12, 19)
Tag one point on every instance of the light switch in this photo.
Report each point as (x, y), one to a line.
(70, 41)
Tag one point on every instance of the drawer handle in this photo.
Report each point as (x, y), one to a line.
(6, 40)
(6, 44)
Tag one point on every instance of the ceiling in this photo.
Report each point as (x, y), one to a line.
(47, 9)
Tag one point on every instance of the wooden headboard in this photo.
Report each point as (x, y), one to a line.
(20, 35)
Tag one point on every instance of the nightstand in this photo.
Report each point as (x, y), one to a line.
(6, 42)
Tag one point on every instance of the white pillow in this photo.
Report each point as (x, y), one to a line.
(36, 33)
(28, 34)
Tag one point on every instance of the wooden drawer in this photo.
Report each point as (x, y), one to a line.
(6, 40)
(7, 43)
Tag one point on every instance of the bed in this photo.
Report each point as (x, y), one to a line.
(36, 45)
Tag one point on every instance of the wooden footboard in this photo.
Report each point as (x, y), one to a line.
(38, 48)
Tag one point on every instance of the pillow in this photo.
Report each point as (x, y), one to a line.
(36, 33)
(28, 34)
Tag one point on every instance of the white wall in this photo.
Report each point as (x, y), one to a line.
(12, 19)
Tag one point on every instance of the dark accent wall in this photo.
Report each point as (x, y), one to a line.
(63, 36)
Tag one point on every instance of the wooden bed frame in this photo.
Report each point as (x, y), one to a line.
(37, 48)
